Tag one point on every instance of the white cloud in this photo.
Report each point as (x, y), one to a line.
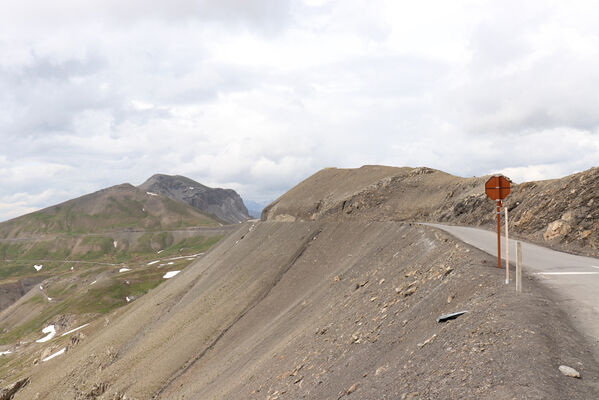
(257, 95)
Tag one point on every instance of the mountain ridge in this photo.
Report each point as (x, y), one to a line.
(560, 213)
(225, 204)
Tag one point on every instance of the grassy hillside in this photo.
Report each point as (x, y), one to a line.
(115, 208)
(97, 253)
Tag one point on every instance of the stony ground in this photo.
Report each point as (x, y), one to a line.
(329, 311)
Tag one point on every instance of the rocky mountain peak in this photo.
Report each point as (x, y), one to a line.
(226, 204)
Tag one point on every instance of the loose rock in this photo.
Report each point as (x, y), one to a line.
(569, 371)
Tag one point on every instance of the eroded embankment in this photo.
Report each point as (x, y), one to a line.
(327, 310)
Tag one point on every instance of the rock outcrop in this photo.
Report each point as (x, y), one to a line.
(226, 204)
(8, 392)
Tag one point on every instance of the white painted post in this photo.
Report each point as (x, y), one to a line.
(507, 251)
(519, 267)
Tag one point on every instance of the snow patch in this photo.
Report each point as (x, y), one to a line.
(159, 251)
(128, 299)
(59, 352)
(3, 353)
(41, 287)
(178, 258)
(152, 194)
(38, 267)
(170, 274)
(124, 269)
(72, 268)
(153, 262)
(170, 263)
(115, 243)
(93, 282)
(74, 330)
(51, 332)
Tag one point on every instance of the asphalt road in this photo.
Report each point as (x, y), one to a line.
(574, 279)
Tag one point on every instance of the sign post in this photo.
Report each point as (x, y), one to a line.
(497, 188)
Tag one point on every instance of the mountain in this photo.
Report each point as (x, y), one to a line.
(115, 208)
(93, 254)
(329, 296)
(255, 207)
(225, 204)
(560, 213)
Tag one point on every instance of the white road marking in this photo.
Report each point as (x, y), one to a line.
(593, 266)
(566, 273)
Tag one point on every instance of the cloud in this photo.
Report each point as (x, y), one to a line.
(263, 15)
(258, 95)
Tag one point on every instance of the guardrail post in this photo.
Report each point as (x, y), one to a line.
(519, 267)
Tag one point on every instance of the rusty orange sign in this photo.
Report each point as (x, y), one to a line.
(497, 187)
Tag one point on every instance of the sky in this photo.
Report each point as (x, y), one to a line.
(257, 95)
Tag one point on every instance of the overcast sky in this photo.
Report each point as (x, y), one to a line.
(257, 95)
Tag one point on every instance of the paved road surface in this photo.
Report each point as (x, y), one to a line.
(575, 279)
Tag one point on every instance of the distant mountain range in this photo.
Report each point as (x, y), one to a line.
(255, 207)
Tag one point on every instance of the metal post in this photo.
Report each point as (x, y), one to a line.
(498, 234)
(519, 267)
(507, 250)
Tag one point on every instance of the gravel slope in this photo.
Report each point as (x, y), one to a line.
(325, 310)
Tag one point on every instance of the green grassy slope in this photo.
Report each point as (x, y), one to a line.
(115, 208)
(83, 244)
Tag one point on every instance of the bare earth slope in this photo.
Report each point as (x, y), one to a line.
(560, 213)
(327, 310)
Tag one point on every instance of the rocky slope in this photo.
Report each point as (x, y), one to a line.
(225, 204)
(560, 213)
(330, 297)
(322, 310)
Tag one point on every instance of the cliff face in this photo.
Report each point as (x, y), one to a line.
(226, 204)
